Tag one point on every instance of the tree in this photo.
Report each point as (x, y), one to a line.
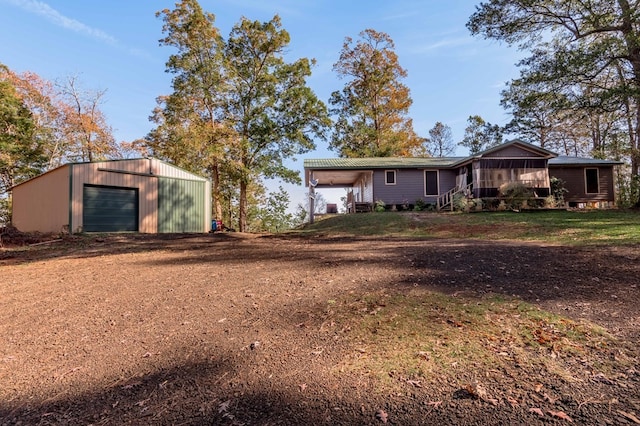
(238, 110)
(480, 135)
(20, 153)
(319, 202)
(269, 106)
(440, 142)
(189, 129)
(273, 216)
(68, 123)
(42, 100)
(372, 108)
(88, 136)
(300, 216)
(576, 45)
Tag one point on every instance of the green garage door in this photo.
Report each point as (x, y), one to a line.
(109, 209)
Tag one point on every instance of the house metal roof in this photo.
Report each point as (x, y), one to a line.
(381, 163)
(565, 160)
(444, 162)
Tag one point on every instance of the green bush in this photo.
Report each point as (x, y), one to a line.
(461, 203)
(5, 212)
(628, 189)
(558, 190)
(477, 204)
(515, 195)
(379, 206)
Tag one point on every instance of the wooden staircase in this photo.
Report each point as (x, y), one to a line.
(446, 200)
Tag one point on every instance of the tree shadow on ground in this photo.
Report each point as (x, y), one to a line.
(223, 386)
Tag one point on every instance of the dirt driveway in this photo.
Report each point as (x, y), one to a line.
(237, 329)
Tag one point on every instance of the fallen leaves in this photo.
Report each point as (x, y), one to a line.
(561, 415)
(557, 414)
(66, 373)
(536, 411)
(455, 323)
(629, 416)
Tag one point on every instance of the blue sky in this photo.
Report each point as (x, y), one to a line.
(114, 46)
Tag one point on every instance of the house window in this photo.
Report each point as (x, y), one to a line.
(592, 181)
(390, 177)
(431, 182)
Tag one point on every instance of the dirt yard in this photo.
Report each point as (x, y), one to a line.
(235, 329)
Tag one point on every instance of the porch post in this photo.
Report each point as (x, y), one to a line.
(312, 196)
(312, 199)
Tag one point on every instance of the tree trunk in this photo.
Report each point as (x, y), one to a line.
(632, 41)
(214, 172)
(242, 219)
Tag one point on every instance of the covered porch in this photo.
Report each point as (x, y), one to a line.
(357, 183)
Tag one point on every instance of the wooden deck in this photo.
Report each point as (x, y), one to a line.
(359, 207)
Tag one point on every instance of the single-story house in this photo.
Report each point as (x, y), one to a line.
(136, 195)
(404, 180)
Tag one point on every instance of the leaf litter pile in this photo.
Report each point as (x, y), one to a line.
(235, 329)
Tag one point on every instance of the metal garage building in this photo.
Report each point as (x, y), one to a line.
(139, 195)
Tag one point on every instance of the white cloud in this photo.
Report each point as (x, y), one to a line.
(443, 43)
(52, 15)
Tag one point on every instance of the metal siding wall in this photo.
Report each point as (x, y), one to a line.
(208, 207)
(50, 190)
(147, 187)
(181, 205)
(167, 170)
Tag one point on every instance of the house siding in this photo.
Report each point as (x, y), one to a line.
(29, 198)
(410, 186)
(447, 180)
(512, 152)
(574, 178)
(365, 187)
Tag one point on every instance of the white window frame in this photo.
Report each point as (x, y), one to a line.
(395, 177)
(424, 174)
(586, 183)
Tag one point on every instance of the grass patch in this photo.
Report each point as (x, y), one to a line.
(426, 337)
(365, 224)
(613, 227)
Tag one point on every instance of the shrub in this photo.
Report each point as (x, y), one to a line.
(515, 195)
(477, 204)
(558, 190)
(461, 202)
(379, 206)
(419, 205)
(5, 212)
(550, 202)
